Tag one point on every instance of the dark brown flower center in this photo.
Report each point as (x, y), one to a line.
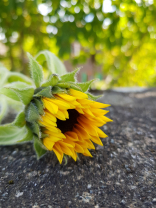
(68, 124)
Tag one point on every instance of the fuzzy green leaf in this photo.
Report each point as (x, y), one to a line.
(69, 76)
(39, 148)
(15, 77)
(39, 106)
(38, 90)
(3, 107)
(35, 128)
(86, 85)
(20, 120)
(64, 85)
(36, 71)
(3, 75)
(57, 89)
(52, 81)
(28, 137)
(18, 91)
(94, 97)
(10, 134)
(32, 113)
(54, 64)
(46, 92)
(75, 86)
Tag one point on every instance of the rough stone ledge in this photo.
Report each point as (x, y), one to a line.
(122, 173)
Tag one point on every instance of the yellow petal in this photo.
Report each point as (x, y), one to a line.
(70, 103)
(89, 128)
(48, 143)
(66, 97)
(84, 101)
(47, 120)
(61, 104)
(98, 119)
(92, 121)
(82, 131)
(77, 104)
(98, 105)
(74, 156)
(106, 119)
(60, 115)
(88, 111)
(71, 138)
(90, 144)
(87, 153)
(79, 110)
(96, 140)
(52, 128)
(69, 141)
(55, 139)
(65, 149)
(80, 137)
(66, 114)
(66, 143)
(83, 144)
(78, 148)
(101, 133)
(78, 94)
(98, 112)
(58, 154)
(72, 135)
(60, 135)
(50, 106)
(49, 115)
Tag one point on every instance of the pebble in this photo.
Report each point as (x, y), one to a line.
(18, 194)
(64, 172)
(69, 202)
(89, 186)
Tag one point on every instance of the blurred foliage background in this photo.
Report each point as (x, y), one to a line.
(118, 37)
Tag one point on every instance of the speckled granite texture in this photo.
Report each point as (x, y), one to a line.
(122, 173)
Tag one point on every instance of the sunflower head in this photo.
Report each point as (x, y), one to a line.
(62, 116)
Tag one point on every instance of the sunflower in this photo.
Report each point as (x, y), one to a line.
(71, 122)
(60, 115)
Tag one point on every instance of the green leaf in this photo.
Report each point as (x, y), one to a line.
(52, 81)
(36, 71)
(3, 75)
(35, 128)
(18, 91)
(15, 77)
(69, 76)
(46, 92)
(94, 97)
(54, 64)
(86, 85)
(10, 134)
(32, 113)
(39, 148)
(63, 84)
(39, 105)
(3, 107)
(28, 137)
(20, 120)
(75, 86)
(57, 89)
(65, 157)
(38, 90)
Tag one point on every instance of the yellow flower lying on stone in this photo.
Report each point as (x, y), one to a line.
(71, 123)
(60, 115)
